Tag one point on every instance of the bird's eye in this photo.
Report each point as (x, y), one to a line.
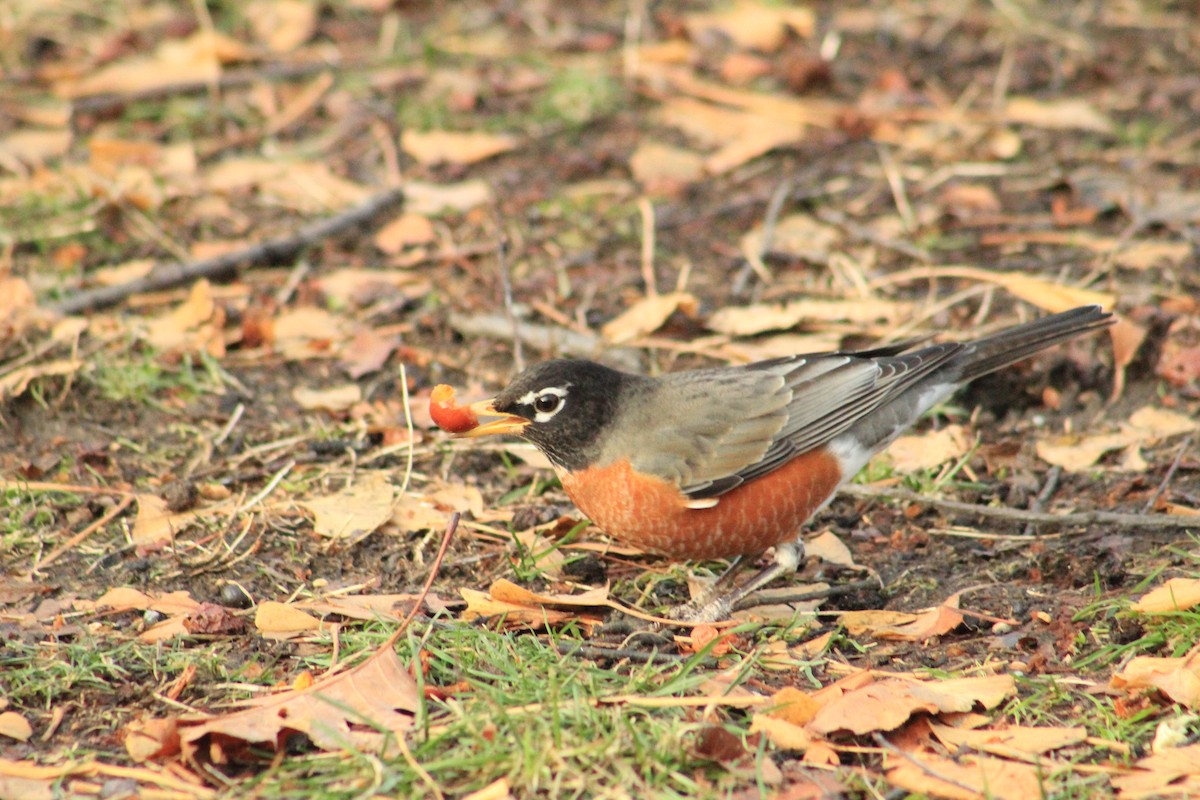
(547, 403)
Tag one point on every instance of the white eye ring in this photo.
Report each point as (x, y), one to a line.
(546, 402)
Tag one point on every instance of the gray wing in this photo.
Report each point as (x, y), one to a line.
(733, 424)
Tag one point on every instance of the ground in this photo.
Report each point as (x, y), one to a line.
(658, 187)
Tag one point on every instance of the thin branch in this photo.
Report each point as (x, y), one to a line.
(1162, 487)
(272, 251)
(1116, 518)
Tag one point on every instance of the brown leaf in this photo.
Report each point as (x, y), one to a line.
(1177, 594)
(1177, 678)
(436, 147)
(272, 617)
(406, 230)
(152, 738)
(971, 778)
(334, 399)
(355, 510)
(15, 726)
(1068, 114)
(906, 627)
(359, 708)
(754, 319)
(283, 25)
(924, 451)
(1172, 773)
(210, 618)
(647, 315)
(888, 703)
(753, 25)
(1016, 741)
(714, 743)
(782, 733)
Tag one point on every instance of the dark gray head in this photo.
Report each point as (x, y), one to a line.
(568, 404)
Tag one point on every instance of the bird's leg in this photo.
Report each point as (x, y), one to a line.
(720, 600)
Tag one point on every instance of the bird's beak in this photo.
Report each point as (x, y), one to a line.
(507, 424)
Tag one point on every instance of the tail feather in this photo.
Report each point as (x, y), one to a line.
(1014, 344)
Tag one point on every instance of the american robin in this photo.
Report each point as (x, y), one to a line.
(731, 461)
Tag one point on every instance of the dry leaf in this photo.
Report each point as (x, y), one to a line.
(356, 510)
(497, 790)
(334, 399)
(888, 703)
(367, 352)
(1177, 594)
(1172, 773)
(480, 605)
(647, 315)
(15, 726)
(924, 451)
(23, 150)
(437, 147)
(830, 549)
(1177, 678)
(968, 779)
(406, 230)
(797, 235)
(1067, 114)
(1145, 426)
(196, 59)
(660, 167)
(795, 706)
(434, 199)
(283, 25)
(1016, 741)
(754, 319)
(905, 627)
(152, 738)
(782, 733)
(753, 25)
(16, 382)
(280, 618)
(195, 325)
(361, 708)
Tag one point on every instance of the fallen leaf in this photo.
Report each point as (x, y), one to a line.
(334, 399)
(16, 382)
(1066, 114)
(437, 147)
(757, 318)
(800, 236)
(830, 549)
(437, 199)
(283, 25)
(663, 168)
(926, 451)
(406, 230)
(970, 778)
(887, 704)
(497, 790)
(1015, 741)
(195, 325)
(782, 733)
(1145, 426)
(23, 150)
(1177, 678)
(355, 510)
(1172, 773)
(795, 706)
(15, 726)
(752, 24)
(508, 592)
(906, 627)
(1177, 594)
(151, 738)
(647, 315)
(196, 59)
(362, 708)
(272, 617)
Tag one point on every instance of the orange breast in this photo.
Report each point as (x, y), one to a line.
(652, 514)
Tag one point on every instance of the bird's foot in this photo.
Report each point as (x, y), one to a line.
(721, 601)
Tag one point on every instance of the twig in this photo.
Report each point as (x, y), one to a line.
(113, 513)
(546, 338)
(817, 594)
(451, 527)
(1162, 487)
(1046, 493)
(928, 770)
(1119, 519)
(166, 276)
(616, 653)
(646, 208)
